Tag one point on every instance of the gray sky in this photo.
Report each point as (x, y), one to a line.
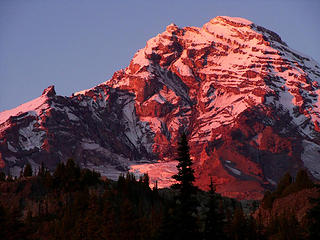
(77, 44)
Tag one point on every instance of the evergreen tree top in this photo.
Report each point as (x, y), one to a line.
(185, 176)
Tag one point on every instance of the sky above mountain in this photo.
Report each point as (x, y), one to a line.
(78, 44)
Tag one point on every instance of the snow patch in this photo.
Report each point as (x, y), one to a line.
(235, 171)
(311, 157)
(158, 98)
(15, 171)
(140, 59)
(35, 106)
(87, 144)
(183, 69)
(160, 39)
(271, 181)
(160, 172)
(11, 148)
(30, 137)
(106, 170)
(239, 20)
(72, 117)
(11, 159)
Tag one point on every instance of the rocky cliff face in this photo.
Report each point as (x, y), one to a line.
(249, 104)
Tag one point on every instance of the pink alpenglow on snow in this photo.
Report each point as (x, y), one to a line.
(233, 86)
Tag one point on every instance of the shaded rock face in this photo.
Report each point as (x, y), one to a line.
(100, 133)
(248, 103)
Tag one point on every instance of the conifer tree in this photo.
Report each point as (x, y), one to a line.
(27, 170)
(168, 228)
(59, 175)
(285, 226)
(314, 219)
(186, 201)
(185, 175)
(303, 180)
(2, 176)
(238, 225)
(42, 170)
(9, 177)
(267, 200)
(214, 220)
(284, 182)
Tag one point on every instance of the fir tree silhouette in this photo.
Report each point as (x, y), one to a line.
(185, 175)
(27, 170)
(214, 221)
(185, 210)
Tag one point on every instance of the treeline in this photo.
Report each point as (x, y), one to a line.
(286, 186)
(73, 203)
(284, 224)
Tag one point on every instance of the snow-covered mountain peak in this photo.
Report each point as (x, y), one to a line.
(234, 21)
(33, 107)
(248, 102)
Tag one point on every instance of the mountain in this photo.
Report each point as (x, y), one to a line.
(248, 103)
